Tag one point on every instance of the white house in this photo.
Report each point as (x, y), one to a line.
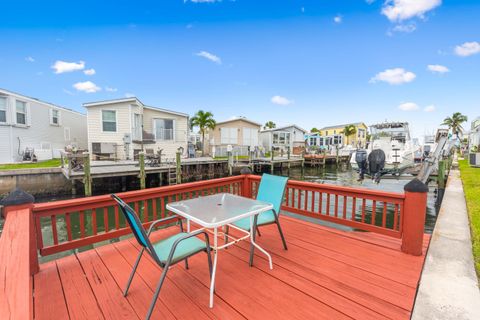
(123, 127)
(282, 137)
(240, 133)
(44, 127)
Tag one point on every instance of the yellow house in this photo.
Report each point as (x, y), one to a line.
(359, 139)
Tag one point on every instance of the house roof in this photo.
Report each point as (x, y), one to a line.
(343, 125)
(240, 118)
(132, 100)
(285, 127)
(8, 92)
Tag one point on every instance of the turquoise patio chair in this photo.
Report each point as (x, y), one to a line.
(165, 252)
(271, 190)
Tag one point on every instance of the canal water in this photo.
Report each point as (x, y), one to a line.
(342, 175)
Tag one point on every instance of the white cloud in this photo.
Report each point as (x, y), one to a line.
(408, 106)
(209, 56)
(89, 72)
(68, 92)
(281, 100)
(429, 108)
(467, 49)
(29, 59)
(437, 68)
(129, 95)
(87, 86)
(407, 28)
(62, 66)
(338, 19)
(110, 89)
(399, 10)
(394, 76)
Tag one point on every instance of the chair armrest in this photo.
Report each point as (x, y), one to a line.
(154, 223)
(187, 236)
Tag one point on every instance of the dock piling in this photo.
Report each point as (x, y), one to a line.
(142, 175)
(87, 179)
(178, 166)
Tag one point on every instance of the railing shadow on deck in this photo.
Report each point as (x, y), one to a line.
(54, 227)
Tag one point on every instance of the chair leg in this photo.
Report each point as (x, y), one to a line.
(227, 229)
(281, 233)
(210, 265)
(252, 247)
(258, 232)
(186, 264)
(133, 272)
(157, 291)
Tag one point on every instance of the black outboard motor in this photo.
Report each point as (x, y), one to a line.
(361, 160)
(376, 162)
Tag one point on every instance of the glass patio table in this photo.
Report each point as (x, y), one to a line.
(216, 211)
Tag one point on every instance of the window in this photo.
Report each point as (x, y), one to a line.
(21, 108)
(55, 117)
(250, 137)
(163, 129)
(3, 109)
(326, 133)
(228, 135)
(137, 126)
(281, 138)
(109, 121)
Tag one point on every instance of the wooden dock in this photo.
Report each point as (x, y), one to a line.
(316, 160)
(325, 274)
(107, 169)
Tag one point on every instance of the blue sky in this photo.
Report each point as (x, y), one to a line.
(313, 63)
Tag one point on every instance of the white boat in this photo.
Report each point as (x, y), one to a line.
(395, 141)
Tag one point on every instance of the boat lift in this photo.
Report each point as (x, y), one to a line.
(444, 146)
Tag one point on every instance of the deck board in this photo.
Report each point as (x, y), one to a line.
(325, 274)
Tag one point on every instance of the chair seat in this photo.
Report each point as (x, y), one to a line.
(267, 217)
(184, 249)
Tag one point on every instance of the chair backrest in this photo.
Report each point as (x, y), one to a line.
(272, 189)
(134, 222)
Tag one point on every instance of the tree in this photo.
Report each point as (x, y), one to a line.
(349, 131)
(204, 121)
(314, 130)
(454, 123)
(269, 125)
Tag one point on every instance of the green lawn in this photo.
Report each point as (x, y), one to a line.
(471, 185)
(41, 164)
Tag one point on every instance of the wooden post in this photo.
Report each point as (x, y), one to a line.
(87, 178)
(441, 174)
(288, 157)
(22, 202)
(336, 155)
(272, 153)
(178, 166)
(246, 188)
(142, 175)
(230, 162)
(324, 160)
(414, 211)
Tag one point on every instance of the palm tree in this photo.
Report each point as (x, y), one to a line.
(269, 125)
(455, 123)
(349, 131)
(204, 121)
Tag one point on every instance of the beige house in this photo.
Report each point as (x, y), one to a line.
(240, 133)
(123, 127)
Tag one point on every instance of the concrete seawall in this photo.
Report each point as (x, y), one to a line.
(38, 182)
(448, 285)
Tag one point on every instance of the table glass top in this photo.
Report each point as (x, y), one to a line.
(218, 209)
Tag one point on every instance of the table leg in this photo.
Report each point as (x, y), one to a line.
(214, 269)
(252, 232)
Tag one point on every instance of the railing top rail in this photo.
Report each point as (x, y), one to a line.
(151, 192)
(335, 188)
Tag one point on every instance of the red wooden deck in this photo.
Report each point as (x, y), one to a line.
(325, 274)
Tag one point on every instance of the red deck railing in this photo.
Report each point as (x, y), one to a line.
(70, 224)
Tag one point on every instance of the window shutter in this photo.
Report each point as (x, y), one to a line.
(9, 111)
(50, 115)
(29, 115)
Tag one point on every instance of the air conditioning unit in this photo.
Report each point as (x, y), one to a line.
(474, 158)
(103, 148)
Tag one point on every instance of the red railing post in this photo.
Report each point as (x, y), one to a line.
(20, 200)
(414, 211)
(247, 186)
